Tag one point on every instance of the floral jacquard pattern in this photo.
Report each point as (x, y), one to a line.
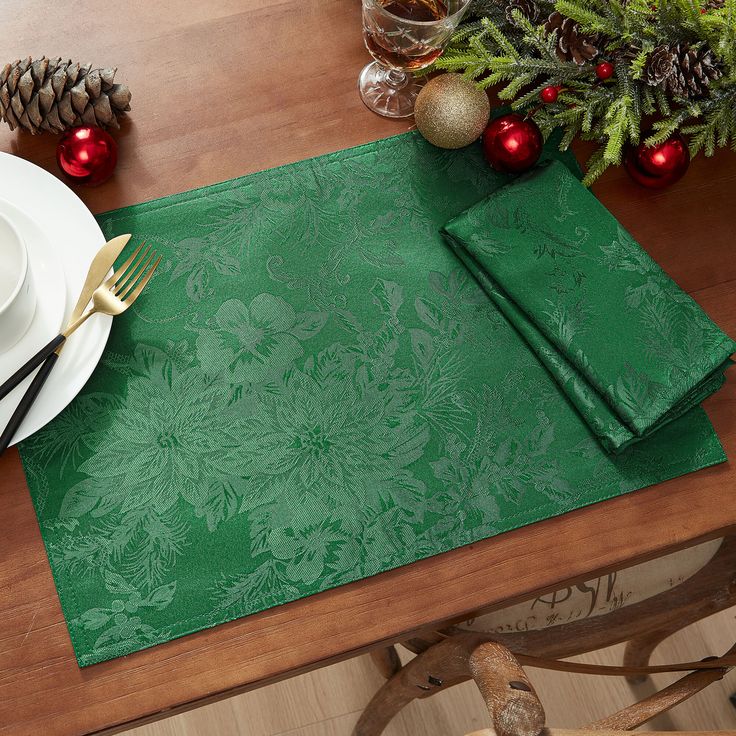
(161, 446)
(315, 389)
(628, 377)
(200, 260)
(307, 549)
(352, 449)
(257, 341)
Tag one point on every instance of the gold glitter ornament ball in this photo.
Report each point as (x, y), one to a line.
(451, 112)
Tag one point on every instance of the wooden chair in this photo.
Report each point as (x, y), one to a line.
(491, 649)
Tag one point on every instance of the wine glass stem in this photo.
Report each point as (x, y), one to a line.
(396, 78)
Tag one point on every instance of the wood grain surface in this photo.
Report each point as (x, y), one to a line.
(223, 88)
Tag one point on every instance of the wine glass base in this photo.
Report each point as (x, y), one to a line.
(386, 95)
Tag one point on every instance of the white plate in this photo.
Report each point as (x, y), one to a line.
(62, 238)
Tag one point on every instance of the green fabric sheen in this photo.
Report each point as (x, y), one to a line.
(629, 348)
(312, 390)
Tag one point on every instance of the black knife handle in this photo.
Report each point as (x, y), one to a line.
(25, 370)
(27, 401)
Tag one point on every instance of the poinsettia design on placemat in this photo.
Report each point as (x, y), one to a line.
(155, 446)
(351, 448)
(162, 444)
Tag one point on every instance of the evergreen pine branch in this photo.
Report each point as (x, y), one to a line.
(615, 128)
(595, 166)
(648, 104)
(530, 97)
(519, 56)
(512, 88)
(663, 129)
(588, 19)
(496, 78)
(663, 105)
(494, 32)
(465, 32)
(571, 131)
(639, 62)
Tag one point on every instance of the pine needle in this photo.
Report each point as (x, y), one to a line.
(508, 50)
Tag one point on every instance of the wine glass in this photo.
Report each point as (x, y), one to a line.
(403, 36)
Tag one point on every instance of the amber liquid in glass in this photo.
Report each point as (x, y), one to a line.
(407, 56)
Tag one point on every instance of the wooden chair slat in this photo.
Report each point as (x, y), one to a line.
(448, 657)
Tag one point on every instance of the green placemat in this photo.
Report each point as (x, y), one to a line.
(313, 390)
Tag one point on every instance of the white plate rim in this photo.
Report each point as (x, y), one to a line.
(67, 222)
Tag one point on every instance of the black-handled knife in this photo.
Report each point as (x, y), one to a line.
(48, 355)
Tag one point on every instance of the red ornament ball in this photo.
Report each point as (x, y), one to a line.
(512, 144)
(549, 94)
(604, 70)
(656, 167)
(87, 154)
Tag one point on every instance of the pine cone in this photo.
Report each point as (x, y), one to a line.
(53, 95)
(572, 44)
(528, 9)
(660, 65)
(693, 70)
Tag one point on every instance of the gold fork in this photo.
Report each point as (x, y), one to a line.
(116, 294)
(112, 297)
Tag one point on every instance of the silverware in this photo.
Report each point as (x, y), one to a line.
(101, 264)
(98, 269)
(116, 294)
(112, 297)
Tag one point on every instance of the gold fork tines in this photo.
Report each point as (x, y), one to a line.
(127, 285)
(128, 269)
(120, 271)
(119, 291)
(132, 296)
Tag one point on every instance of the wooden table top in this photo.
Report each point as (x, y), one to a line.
(222, 88)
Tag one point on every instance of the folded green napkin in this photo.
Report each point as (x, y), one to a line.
(627, 346)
